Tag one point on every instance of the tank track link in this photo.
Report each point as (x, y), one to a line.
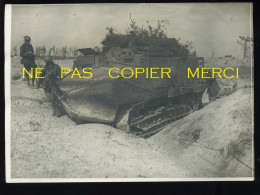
(150, 122)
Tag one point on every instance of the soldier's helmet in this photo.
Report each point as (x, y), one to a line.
(48, 59)
(27, 38)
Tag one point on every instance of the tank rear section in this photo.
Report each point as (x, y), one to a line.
(174, 96)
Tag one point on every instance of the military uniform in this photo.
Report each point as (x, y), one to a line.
(213, 89)
(28, 59)
(51, 72)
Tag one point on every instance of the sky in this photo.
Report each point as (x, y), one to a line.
(210, 26)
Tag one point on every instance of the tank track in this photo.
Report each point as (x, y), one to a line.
(150, 122)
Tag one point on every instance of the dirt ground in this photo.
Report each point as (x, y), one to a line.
(43, 146)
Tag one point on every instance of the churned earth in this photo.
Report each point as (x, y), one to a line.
(43, 146)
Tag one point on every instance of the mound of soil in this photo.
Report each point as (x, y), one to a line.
(207, 140)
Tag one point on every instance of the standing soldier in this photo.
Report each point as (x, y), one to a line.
(28, 59)
(51, 73)
(213, 89)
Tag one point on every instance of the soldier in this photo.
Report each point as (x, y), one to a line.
(28, 59)
(52, 73)
(51, 70)
(213, 89)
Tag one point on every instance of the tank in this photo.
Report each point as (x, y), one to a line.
(139, 105)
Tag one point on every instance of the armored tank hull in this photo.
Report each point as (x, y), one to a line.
(140, 104)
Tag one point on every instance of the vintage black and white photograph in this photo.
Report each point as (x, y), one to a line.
(129, 92)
